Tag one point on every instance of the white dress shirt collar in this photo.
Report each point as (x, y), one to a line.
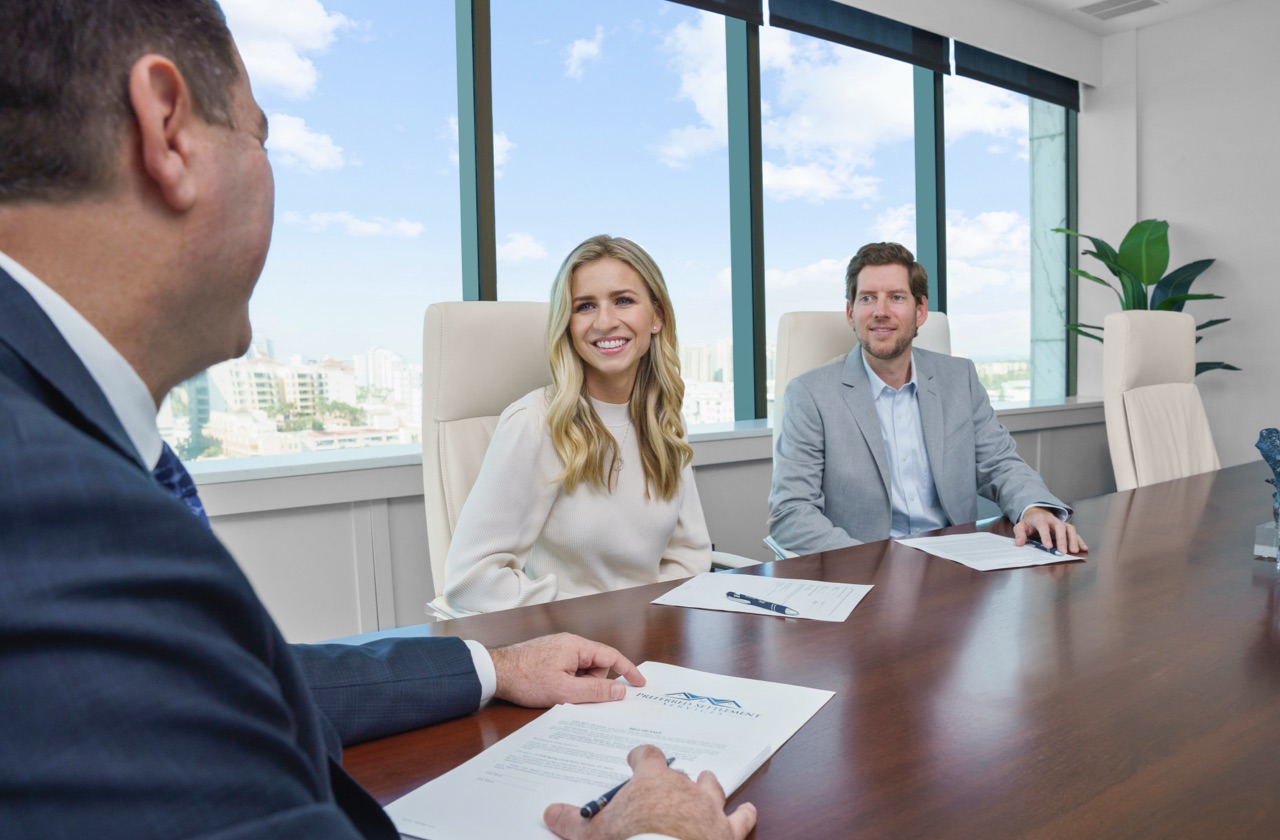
(124, 389)
(878, 384)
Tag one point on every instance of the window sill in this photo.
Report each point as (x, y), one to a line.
(278, 482)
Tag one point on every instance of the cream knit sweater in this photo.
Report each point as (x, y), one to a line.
(522, 540)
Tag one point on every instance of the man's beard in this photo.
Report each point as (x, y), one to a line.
(900, 346)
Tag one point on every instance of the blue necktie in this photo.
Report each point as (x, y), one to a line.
(175, 478)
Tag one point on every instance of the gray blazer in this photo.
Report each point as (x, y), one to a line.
(830, 473)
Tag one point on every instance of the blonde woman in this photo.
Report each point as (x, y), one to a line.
(586, 485)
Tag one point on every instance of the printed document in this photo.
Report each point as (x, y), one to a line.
(573, 754)
(985, 551)
(814, 599)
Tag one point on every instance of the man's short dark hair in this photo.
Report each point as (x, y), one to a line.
(887, 253)
(64, 84)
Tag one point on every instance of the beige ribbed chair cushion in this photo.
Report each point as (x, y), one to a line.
(1157, 428)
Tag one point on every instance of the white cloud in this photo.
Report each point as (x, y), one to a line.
(897, 224)
(833, 110)
(815, 182)
(997, 237)
(293, 144)
(521, 247)
(580, 52)
(502, 147)
(972, 107)
(697, 54)
(377, 226)
(825, 274)
(272, 38)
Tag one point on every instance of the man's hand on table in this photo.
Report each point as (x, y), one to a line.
(563, 668)
(1045, 526)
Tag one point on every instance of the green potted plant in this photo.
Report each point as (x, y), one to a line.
(1139, 264)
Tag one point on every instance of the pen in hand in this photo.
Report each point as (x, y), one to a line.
(1043, 547)
(593, 807)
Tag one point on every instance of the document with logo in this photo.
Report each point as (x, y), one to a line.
(819, 600)
(986, 552)
(728, 725)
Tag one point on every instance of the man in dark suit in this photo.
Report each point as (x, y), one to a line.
(144, 690)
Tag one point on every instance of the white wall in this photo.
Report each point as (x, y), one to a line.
(1184, 127)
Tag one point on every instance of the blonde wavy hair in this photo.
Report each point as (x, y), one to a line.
(580, 438)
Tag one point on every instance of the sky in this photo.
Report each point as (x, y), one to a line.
(609, 117)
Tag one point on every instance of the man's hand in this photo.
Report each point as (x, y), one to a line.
(659, 800)
(1051, 531)
(560, 669)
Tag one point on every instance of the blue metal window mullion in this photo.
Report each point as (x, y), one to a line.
(746, 226)
(475, 150)
(1073, 287)
(931, 203)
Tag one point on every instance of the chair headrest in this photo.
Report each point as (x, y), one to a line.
(481, 356)
(1143, 348)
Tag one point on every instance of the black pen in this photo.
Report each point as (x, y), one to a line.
(593, 807)
(757, 602)
(1043, 547)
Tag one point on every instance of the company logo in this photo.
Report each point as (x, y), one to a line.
(711, 701)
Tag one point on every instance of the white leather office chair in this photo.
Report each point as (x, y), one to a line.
(479, 357)
(1157, 428)
(809, 339)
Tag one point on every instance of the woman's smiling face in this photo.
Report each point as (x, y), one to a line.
(612, 323)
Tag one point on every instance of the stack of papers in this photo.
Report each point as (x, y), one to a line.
(728, 725)
(814, 599)
(985, 551)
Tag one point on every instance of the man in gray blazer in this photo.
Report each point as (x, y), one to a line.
(891, 440)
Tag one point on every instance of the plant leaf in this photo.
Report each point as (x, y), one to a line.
(1082, 273)
(1175, 302)
(1212, 323)
(1145, 251)
(1178, 282)
(1135, 294)
(1103, 252)
(1202, 367)
(1079, 329)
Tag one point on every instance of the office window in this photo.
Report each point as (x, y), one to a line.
(1006, 279)
(361, 99)
(838, 160)
(611, 118)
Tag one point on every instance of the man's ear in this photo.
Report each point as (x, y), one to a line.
(166, 121)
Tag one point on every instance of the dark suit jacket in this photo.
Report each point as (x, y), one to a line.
(830, 471)
(144, 690)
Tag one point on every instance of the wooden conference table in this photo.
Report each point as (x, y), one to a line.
(1133, 695)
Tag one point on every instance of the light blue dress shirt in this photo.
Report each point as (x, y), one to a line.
(912, 493)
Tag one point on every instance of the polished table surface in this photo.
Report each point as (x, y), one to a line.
(1136, 694)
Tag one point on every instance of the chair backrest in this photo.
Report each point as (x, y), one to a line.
(1157, 428)
(809, 339)
(479, 357)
